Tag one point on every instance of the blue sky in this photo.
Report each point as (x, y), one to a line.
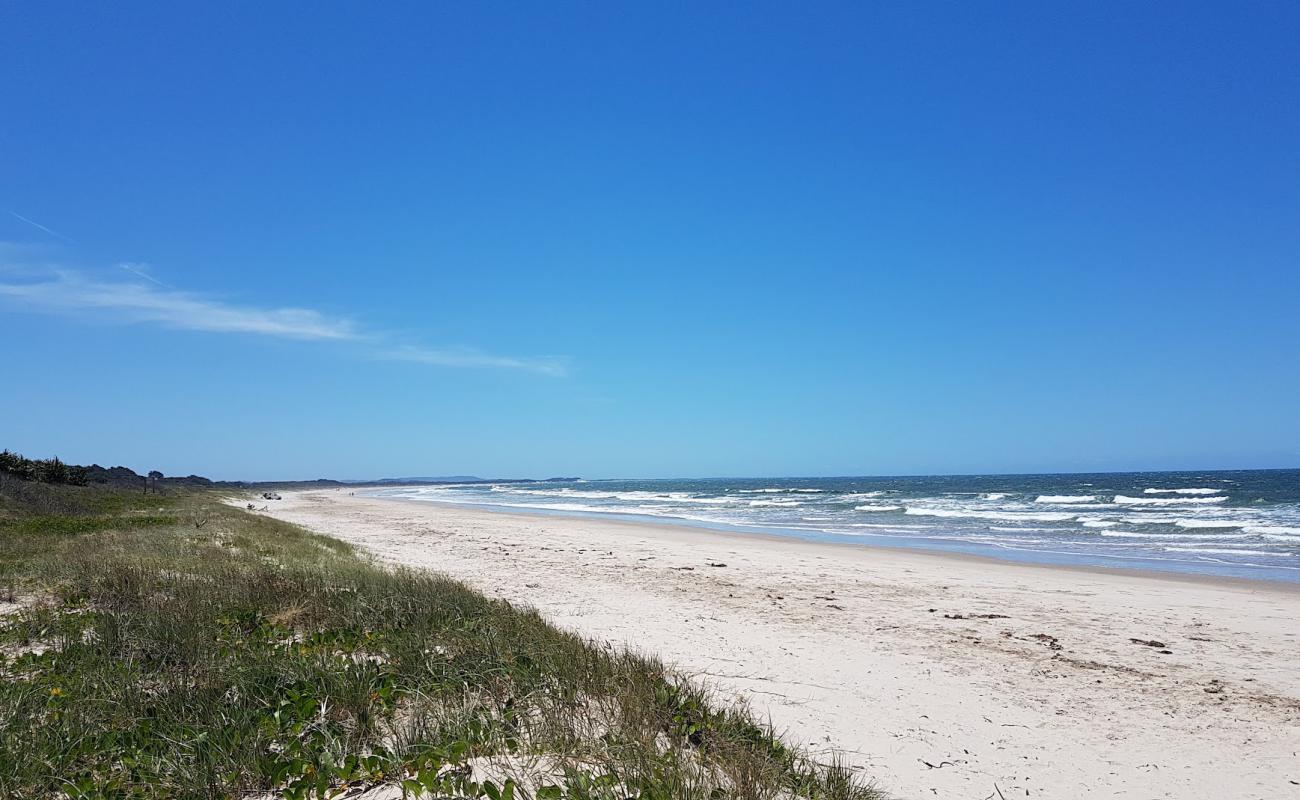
(300, 240)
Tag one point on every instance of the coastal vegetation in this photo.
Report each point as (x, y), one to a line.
(170, 645)
(47, 470)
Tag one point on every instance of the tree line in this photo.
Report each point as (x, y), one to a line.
(42, 470)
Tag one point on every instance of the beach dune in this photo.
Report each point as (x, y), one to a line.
(939, 676)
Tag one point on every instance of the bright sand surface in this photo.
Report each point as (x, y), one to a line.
(939, 676)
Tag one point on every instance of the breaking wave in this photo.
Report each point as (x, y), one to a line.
(1166, 501)
(1056, 517)
(1065, 499)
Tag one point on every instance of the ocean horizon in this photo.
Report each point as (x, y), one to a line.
(1229, 523)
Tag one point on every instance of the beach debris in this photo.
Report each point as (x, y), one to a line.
(975, 616)
(688, 569)
(1215, 687)
(716, 564)
(1148, 642)
(1046, 638)
(832, 605)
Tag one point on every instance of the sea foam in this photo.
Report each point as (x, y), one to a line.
(1006, 516)
(1165, 501)
(1110, 519)
(1065, 498)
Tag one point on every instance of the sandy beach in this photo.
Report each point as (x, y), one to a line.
(939, 676)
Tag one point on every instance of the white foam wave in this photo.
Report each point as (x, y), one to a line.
(1176, 537)
(558, 507)
(1165, 501)
(1002, 541)
(1023, 529)
(1008, 516)
(635, 496)
(1274, 530)
(1147, 518)
(1191, 521)
(1232, 551)
(1208, 523)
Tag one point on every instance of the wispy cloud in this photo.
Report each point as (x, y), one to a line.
(69, 291)
(140, 271)
(134, 302)
(468, 357)
(39, 226)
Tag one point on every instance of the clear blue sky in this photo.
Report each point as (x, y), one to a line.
(278, 240)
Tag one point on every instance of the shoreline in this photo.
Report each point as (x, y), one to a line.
(939, 675)
(684, 527)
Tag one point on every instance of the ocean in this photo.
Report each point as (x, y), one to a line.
(1238, 523)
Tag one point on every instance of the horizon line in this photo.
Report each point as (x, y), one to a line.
(478, 479)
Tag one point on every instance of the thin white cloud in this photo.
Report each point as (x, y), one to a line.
(68, 291)
(468, 357)
(39, 226)
(134, 302)
(140, 270)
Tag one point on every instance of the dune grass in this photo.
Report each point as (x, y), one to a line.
(170, 646)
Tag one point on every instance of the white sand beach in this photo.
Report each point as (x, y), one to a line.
(939, 676)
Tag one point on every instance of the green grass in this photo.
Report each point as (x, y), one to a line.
(170, 646)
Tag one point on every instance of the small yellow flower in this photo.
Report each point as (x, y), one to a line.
(56, 692)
